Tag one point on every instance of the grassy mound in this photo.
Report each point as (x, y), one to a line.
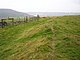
(52, 38)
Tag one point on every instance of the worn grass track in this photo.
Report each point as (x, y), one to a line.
(52, 38)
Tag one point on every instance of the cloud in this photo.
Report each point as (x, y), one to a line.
(42, 5)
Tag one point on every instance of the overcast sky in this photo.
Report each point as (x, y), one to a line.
(42, 5)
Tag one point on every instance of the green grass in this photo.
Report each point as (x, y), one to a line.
(51, 38)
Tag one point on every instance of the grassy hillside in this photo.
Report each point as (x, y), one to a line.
(52, 38)
(5, 13)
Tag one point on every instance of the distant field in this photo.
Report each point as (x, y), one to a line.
(51, 38)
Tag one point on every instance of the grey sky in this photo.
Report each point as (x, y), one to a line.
(42, 5)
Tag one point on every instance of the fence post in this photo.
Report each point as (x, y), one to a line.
(26, 19)
(38, 17)
(12, 21)
(2, 23)
(23, 19)
(19, 20)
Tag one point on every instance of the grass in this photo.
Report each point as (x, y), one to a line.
(51, 38)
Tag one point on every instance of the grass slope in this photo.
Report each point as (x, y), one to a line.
(54, 38)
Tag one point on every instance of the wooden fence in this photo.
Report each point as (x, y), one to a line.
(13, 21)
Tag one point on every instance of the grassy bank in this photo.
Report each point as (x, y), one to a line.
(51, 38)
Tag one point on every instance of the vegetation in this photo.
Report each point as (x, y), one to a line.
(51, 38)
